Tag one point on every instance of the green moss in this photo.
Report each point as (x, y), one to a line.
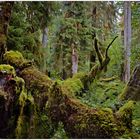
(8, 69)
(72, 86)
(90, 123)
(79, 75)
(125, 113)
(79, 120)
(13, 58)
(136, 126)
(35, 80)
(126, 108)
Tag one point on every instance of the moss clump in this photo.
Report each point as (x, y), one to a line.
(72, 86)
(14, 58)
(125, 113)
(35, 80)
(7, 70)
(126, 108)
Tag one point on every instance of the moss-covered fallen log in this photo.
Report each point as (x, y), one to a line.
(81, 121)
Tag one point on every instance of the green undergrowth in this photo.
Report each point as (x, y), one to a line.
(105, 94)
(102, 93)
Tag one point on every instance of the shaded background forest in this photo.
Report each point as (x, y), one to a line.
(58, 37)
(46, 32)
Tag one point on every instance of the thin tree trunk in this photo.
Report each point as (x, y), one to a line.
(74, 61)
(127, 39)
(44, 45)
(45, 37)
(92, 54)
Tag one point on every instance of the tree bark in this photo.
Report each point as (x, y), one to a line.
(127, 39)
(45, 37)
(74, 61)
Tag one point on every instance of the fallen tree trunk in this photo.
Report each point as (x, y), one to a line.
(79, 120)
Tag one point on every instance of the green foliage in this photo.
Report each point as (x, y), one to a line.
(116, 62)
(74, 30)
(60, 133)
(102, 93)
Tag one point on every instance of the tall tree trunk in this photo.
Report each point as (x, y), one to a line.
(44, 45)
(92, 54)
(74, 61)
(45, 37)
(5, 15)
(127, 39)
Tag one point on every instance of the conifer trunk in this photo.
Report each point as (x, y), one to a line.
(74, 61)
(127, 39)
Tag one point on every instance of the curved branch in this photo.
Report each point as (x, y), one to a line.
(106, 54)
